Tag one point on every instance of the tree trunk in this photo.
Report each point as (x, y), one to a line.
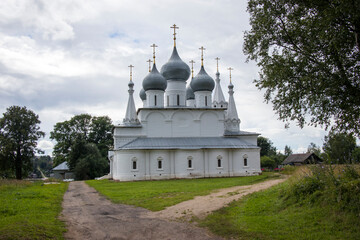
(18, 165)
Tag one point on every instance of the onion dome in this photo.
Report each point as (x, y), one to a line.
(175, 68)
(142, 94)
(154, 80)
(189, 93)
(202, 81)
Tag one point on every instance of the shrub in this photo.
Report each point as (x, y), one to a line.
(338, 186)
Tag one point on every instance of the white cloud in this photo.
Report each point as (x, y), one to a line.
(61, 58)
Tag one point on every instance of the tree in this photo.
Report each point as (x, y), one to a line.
(266, 145)
(313, 148)
(90, 164)
(81, 127)
(19, 133)
(309, 55)
(287, 151)
(267, 162)
(339, 147)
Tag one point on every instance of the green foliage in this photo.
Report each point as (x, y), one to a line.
(313, 148)
(157, 195)
(288, 151)
(266, 145)
(309, 55)
(267, 162)
(31, 210)
(90, 164)
(267, 215)
(81, 127)
(338, 187)
(339, 147)
(19, 133)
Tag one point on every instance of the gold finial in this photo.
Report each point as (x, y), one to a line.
(154, 46)
(174, 27)
(230, 68)
(217, 64)
(202, 55)
(131, 67)
(149, 61)
(192, 68)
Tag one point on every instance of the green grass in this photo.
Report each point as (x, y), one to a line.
(157, 195)
(267, 215)
(30, 210)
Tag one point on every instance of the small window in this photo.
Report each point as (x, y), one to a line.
(214, 106)
(189, 163)
(219, 161)
(159, 163)
(221, 106)
(206, 101)
(134, 163)
(168, 100)
(245, 162)
(178, 100)
(155, 100)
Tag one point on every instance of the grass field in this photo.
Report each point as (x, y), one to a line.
(30, 210)
(157, 195)
(270, 215)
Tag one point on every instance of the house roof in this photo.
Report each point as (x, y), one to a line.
(62, 167)
(299, 158)
(187, 143)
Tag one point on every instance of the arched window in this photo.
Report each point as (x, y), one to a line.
(178, 99)
(219, 161)
(190, 163)
(160, 165)
(245, 157)
(155, 100)
(134, 163)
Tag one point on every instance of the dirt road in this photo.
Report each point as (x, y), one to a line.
(201, 206)
(91, 216)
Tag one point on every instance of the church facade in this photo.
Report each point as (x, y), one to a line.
(182, 130)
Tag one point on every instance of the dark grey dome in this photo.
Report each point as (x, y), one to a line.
(189, 93)
(154, 80)
(142, 94)
(175, 68)
(202, 81)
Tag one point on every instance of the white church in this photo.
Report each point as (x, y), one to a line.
(185, 129)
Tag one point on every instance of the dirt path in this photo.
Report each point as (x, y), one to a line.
(201, 206)
(91, 216)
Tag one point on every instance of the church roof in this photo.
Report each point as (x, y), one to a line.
(175, 69)
(187, 143)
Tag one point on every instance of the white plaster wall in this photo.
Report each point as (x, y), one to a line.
(190, 103)
(150, 98)
(122, 165)
(164, 172)
(157, 126)
(173, 89)
(200, 99)
(214, 170)
(181, 164)
(253, 156)
(211, 125)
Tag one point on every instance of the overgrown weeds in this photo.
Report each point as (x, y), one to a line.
(337, 186)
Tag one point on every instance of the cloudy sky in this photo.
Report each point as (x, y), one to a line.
(62, 58)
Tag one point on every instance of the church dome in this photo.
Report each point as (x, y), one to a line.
(175, 68)
(154, 81)
(142, 94)
(189, 93)
(202, 81)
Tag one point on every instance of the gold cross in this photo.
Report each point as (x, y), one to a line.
(131, 67)
(202, 55)
(217, 64)
(192, 68)
(174, 27)
(154, 46)
(149, 61)
(230, 68)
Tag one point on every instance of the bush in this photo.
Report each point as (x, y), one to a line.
(338, 186)
(267, 162)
